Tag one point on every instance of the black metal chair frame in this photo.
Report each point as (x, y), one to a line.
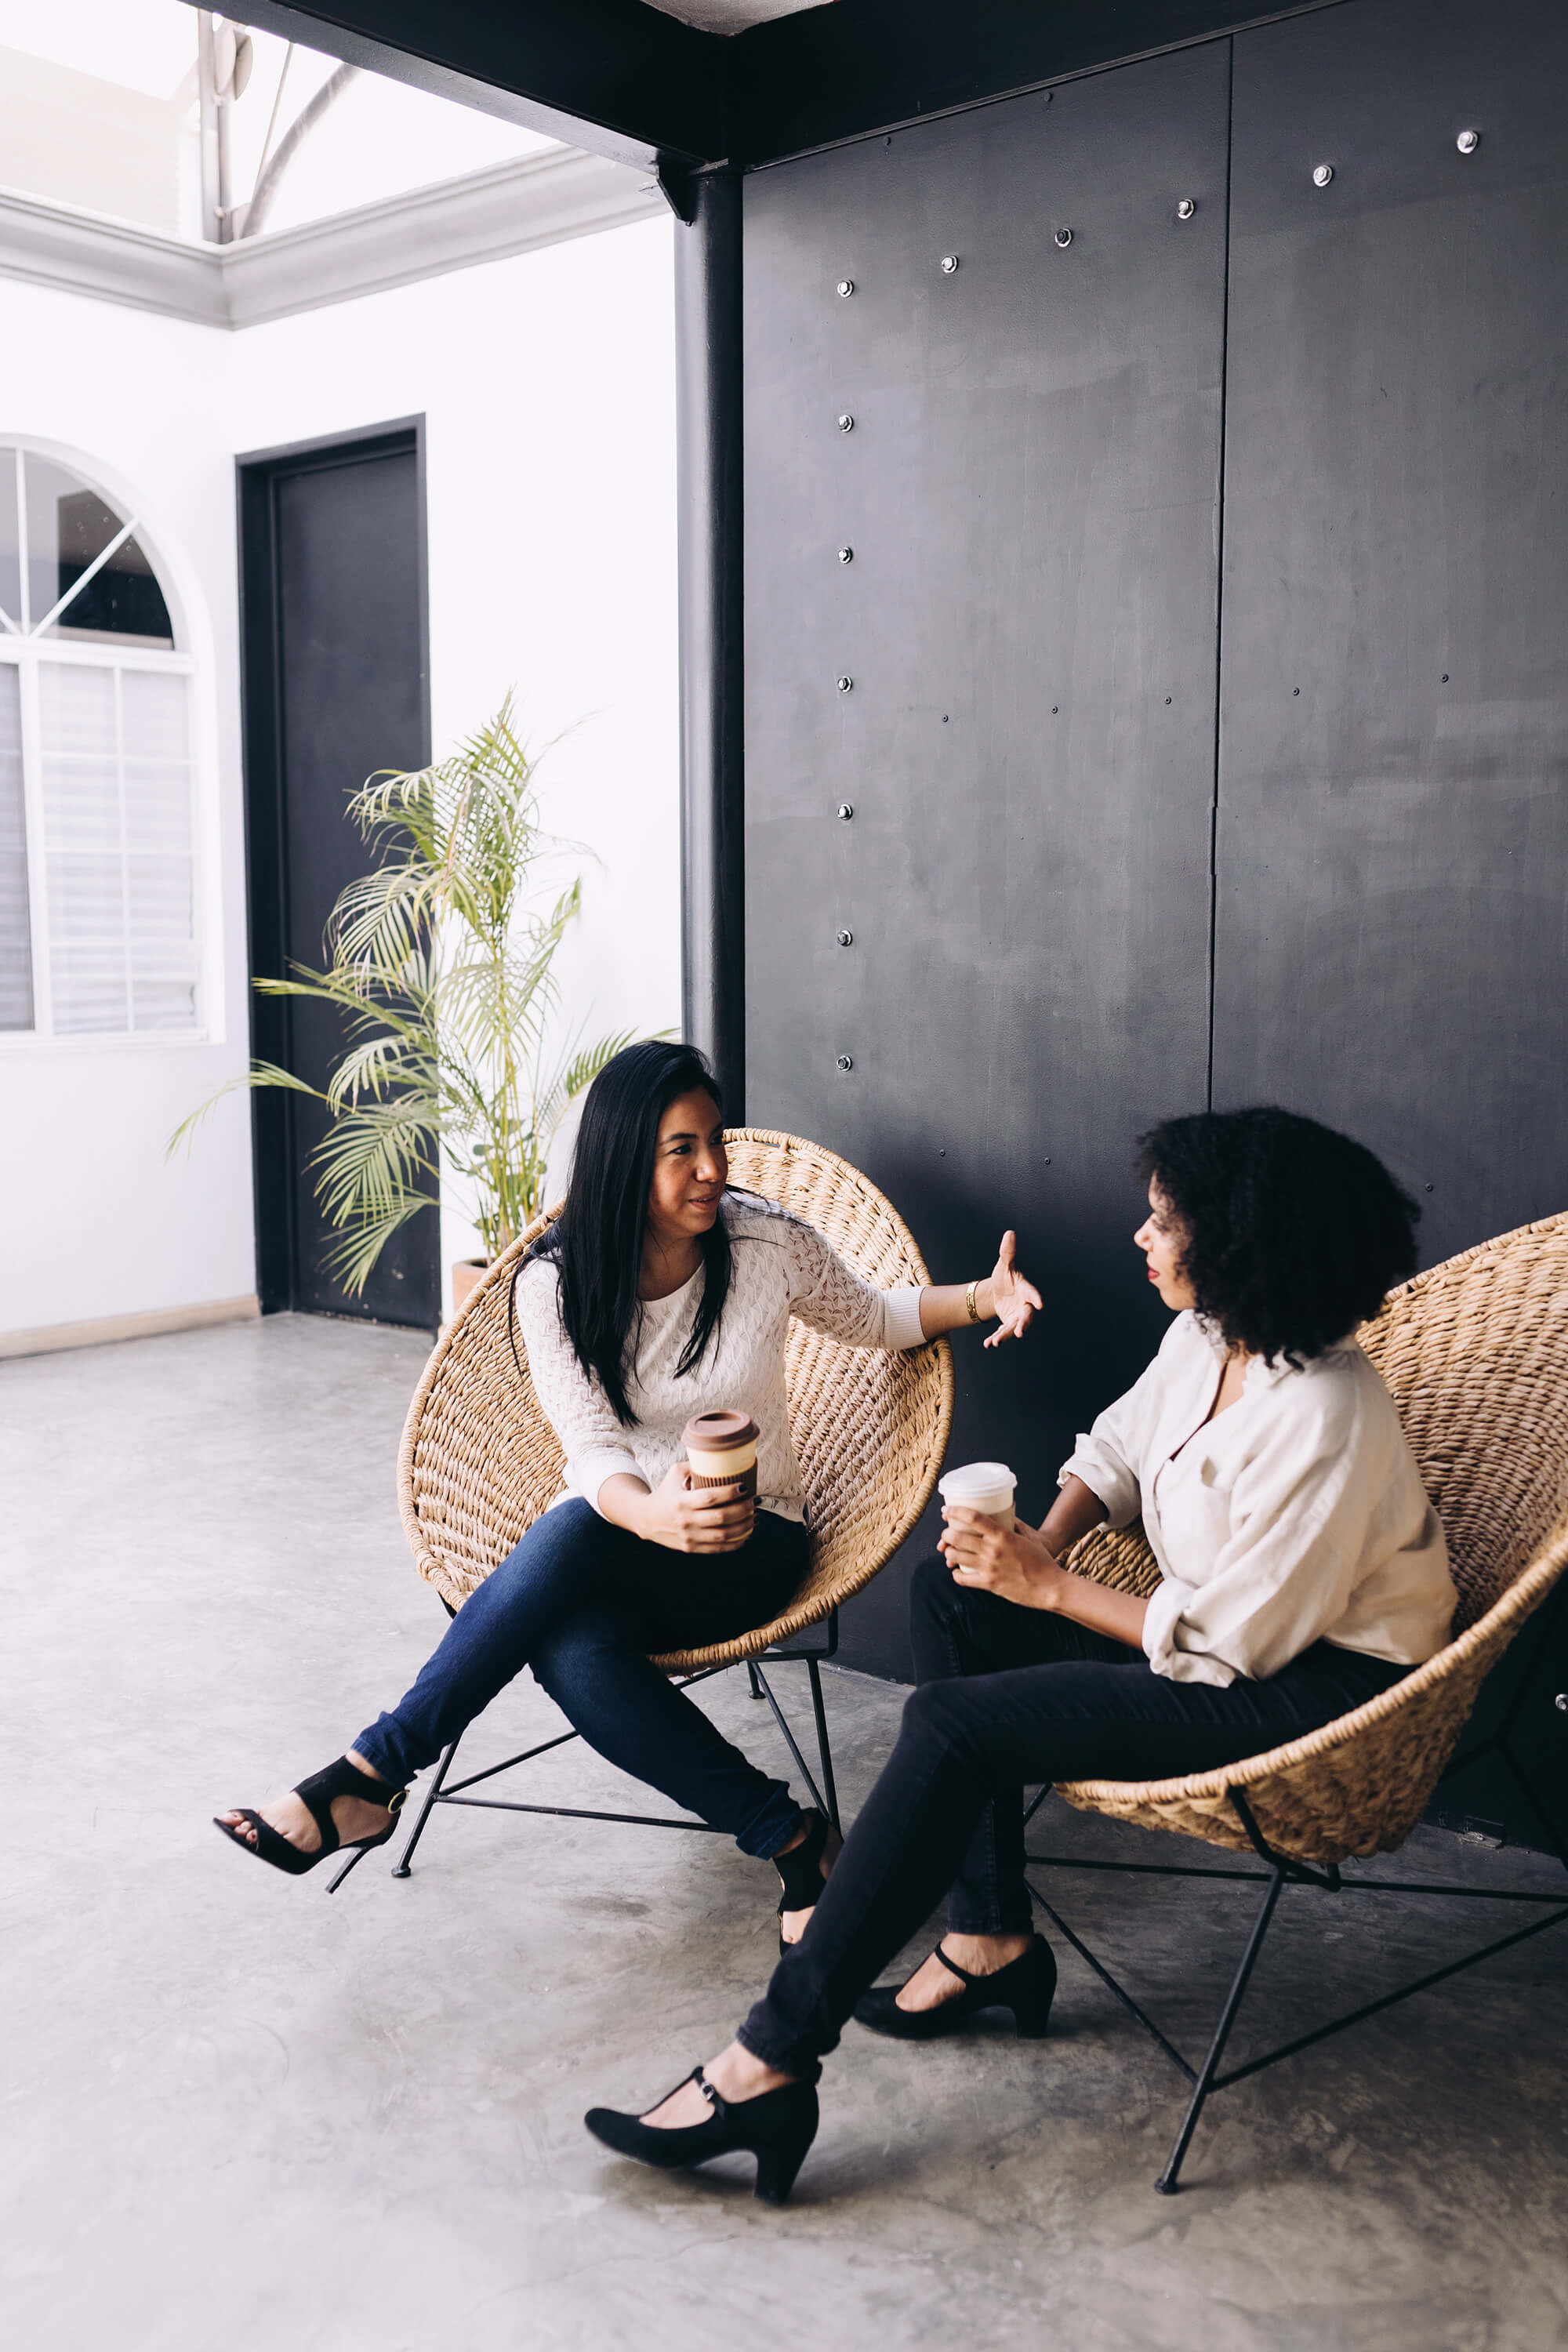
(1281, 1872)
(826, 1798)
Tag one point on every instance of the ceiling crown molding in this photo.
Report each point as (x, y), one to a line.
(490, 215)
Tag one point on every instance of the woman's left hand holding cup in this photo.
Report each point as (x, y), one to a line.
(1013, 1563)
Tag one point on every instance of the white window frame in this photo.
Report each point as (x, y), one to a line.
(26, 649)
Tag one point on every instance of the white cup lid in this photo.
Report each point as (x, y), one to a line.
(976, 1478)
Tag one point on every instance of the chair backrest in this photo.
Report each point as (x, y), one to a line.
(479, 1462)
(1475, 1355)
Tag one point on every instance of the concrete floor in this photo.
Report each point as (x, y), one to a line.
(242, 2114)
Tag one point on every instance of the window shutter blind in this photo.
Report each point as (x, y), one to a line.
(117, 818)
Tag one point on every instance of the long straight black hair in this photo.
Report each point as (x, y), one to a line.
(596, 1241)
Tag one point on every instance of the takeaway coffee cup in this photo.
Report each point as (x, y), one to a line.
(721, 1451)
(982, 1487)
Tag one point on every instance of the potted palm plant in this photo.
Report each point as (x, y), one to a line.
(443, 972)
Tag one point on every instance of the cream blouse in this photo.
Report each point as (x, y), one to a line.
(1297, 1515)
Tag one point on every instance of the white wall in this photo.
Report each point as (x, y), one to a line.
(96, 1224)
(547, 383)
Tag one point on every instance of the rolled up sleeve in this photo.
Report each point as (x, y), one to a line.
(1106, 1458)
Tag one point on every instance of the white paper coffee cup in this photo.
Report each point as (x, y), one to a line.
(986, 1487)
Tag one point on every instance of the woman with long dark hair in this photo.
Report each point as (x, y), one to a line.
(657, 1294)
(1303, 1571)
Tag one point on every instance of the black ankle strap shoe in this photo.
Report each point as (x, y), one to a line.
(318, 1791)
(776, 2127)
(1024, 1988)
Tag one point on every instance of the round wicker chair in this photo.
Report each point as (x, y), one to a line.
(479, 1462)
(1475, 1355)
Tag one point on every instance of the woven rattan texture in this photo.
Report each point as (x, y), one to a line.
(479, 1462)
(1475, 1354)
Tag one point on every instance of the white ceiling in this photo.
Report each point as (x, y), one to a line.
(730, 15)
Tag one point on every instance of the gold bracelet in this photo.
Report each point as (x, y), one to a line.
(969, 1302)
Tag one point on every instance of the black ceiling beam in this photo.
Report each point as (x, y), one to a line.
(613, 76)
(859, 66)
(625, 80)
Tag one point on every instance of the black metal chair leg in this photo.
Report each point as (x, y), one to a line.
(401, 1867)
(757, 1690)
(1168, 2183)
(823, 1749)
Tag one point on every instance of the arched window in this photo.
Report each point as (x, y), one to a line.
(98, 914)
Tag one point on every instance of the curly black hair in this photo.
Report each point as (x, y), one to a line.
(1291, 1233)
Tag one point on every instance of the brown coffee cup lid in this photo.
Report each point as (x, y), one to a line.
(716, 1432)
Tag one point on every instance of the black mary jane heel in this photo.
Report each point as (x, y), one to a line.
(800, 1871)
(1025, 1987)
(317, 1789)
(777, 2127)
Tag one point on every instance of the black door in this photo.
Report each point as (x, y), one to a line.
(336, 686)
(1391, 953)
(1008, 675)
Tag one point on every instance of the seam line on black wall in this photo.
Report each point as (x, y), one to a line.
(1261, 23)
(1219, 562)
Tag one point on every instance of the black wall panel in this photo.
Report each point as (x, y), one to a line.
(1030, 490)
(1392, 948)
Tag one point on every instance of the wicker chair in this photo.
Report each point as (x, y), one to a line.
(479, 1462)
(1475, 1354)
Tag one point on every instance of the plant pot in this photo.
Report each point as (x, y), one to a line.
(466, 1272)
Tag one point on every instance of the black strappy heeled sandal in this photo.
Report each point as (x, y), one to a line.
(1024, 1988)
(801, 1872)
(340, 1780)
(776, 2127)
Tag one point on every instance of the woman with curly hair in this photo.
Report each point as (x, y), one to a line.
(1303, 1571)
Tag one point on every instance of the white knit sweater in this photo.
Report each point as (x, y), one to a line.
(783, 1266)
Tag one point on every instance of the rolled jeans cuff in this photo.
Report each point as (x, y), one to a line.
(772, 1825)
(801, 2063)
(382, 1760)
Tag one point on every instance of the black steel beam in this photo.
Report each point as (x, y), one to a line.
(623, 79)
(837, 73)
(613, 76)
(712, 719)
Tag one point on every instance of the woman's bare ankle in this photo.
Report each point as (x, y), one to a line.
(737, 2073)
(983, 1955)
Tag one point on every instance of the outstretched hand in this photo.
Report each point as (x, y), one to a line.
(1014, 1297)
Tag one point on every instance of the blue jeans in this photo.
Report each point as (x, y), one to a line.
(583, 1602)
(1032, 1697)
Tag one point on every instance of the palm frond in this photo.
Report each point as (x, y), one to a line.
(441, 970)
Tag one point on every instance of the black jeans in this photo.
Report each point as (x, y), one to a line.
(1079, 1707)
(583, 1602)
